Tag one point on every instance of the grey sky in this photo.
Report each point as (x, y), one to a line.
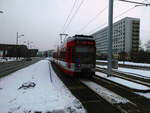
(42, 20)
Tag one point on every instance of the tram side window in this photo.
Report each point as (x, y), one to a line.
(68, 49)
(73, 54)
(69, 55)
(62, 55)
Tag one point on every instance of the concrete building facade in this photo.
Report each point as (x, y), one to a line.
(126, 34)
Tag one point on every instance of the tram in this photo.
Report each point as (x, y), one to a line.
(76, 56)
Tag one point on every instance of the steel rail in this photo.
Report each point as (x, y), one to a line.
(128, 77)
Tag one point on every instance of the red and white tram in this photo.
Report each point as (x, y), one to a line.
(77, 56)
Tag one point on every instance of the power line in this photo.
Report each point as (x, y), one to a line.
(76, 11)
(95, 17)
(124, 12)
(139, 3)
(69, 14)
(99, 13)
(146, 1)
(97, 28)
(113, 18)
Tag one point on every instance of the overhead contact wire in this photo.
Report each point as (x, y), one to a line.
(69, 14)
(113, 18)
(99, 13)
(76, 11)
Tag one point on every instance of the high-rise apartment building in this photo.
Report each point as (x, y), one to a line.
(125, 38)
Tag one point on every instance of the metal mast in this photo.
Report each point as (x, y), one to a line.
(110, 35)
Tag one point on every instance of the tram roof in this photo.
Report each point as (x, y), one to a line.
(80, 37)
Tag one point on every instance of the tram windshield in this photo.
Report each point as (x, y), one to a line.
(84, 49)
(84, 54)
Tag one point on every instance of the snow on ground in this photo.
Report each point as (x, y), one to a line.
(101, 66)
(136, 64)
(108, 95)
(9, 59)
(36, 89)
(147, 95)
(129, 63)
(101, 60)
(124, 82)
(134, 72)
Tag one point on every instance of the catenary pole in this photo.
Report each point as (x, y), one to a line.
(139, 3)
(110, 35)
(17, 39)
(61, 38)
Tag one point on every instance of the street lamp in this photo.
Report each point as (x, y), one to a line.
(18, 36)
(63, 34)
(28, 43)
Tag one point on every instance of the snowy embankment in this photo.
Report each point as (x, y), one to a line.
(124, 82)
(127, 83)
(128, 63)
(108, 95)
(10, 59)
(134, 72)
(36, 89)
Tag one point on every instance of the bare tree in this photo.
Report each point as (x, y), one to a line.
(123, 56)
(141, 46)
(147, 45)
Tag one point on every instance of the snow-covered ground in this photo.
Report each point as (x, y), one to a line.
(9, 59)
(124, 82)
(36, 89)
(147, 95)
(108, 95)
(134, 72)
(101, 60)
(136, 64)
(127, 83)
(128, 63)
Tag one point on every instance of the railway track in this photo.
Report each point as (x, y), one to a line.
(121, 103)
(98, 103)
(141, 103)
(127, 66)
(7, 68)
(92, 102)
(127, 76)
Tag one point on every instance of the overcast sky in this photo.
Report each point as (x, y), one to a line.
(41, 21)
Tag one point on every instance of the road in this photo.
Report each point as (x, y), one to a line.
(10, 67)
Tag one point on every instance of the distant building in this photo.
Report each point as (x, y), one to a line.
(47, 53)
(33, 52)
(50, 52)
(125, 38)
(12, 50)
